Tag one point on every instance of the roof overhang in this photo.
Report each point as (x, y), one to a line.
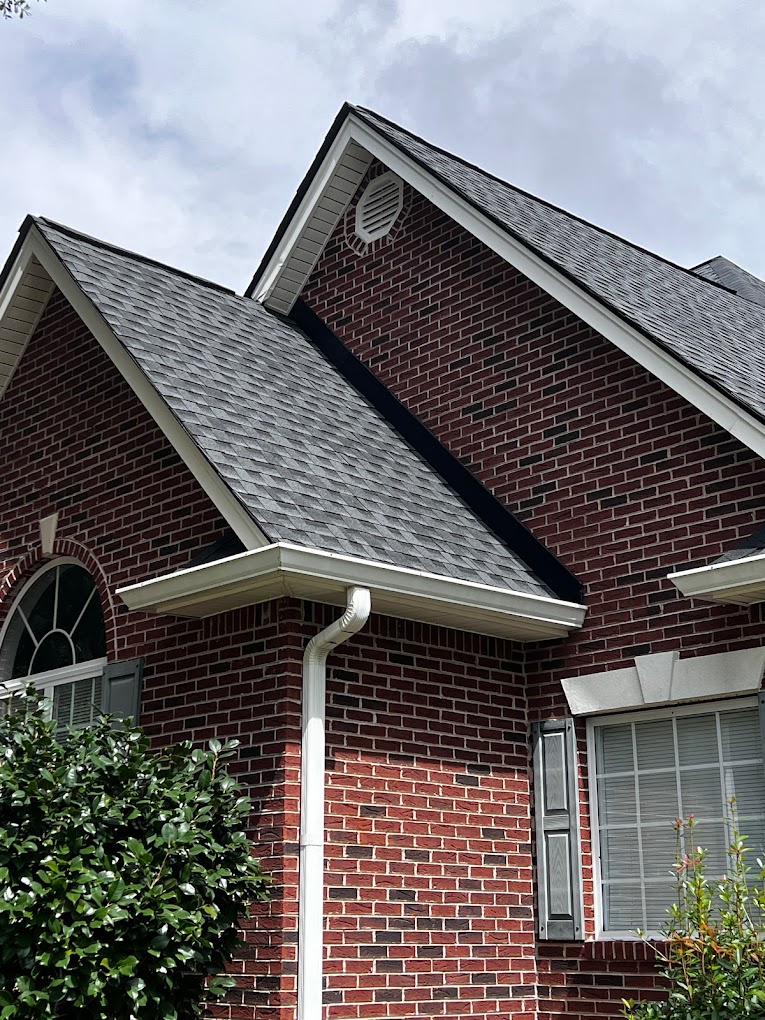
(317, 208)
(289, 570)
(733, 582)
(27, 281)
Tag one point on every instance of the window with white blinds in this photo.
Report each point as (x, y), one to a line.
(55, 638)
(650, 771)
(76, 703)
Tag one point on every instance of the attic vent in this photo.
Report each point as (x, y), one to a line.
(379, 206)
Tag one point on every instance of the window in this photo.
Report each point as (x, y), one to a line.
(647, 770)
(55, 637)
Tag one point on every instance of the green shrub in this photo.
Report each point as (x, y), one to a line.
(122, 872)
(714, 955)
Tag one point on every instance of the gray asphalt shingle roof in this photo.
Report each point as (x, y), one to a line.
(727, 273)
(752, 545)
(720, 335)
(306, 455)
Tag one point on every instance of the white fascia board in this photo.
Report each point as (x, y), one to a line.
(230, 508)
(303, 214)
(721, 409)
(286, 569)
(738, 582)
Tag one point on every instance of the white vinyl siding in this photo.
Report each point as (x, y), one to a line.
(650, 771)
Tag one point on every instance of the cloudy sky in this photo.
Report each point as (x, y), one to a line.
(181, 128)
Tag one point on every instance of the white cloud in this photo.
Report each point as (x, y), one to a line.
(181, 128)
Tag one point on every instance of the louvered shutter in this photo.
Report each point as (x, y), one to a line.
(122, 689)
(559, 877)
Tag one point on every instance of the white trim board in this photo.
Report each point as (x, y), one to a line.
(284, 569)
(665, 679)
(36, 249)
(721, 409)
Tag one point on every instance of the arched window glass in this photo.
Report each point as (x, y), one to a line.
(55, 636)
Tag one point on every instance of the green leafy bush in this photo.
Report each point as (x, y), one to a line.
(122, 872)
(714, 955)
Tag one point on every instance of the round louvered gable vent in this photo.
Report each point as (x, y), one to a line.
(379, 206)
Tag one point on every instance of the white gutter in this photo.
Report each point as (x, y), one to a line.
(291, 570)
(311, 906)
(738, 582)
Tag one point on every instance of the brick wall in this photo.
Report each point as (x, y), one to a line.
(76, 440)
(619, 476)
(429, 881)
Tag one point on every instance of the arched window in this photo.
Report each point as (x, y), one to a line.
(55, 637)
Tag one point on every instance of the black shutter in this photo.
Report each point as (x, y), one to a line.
(121, 690)
(559, 875)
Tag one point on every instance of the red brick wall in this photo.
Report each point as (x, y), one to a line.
(75, 439)
(619, 476)
(429, 881)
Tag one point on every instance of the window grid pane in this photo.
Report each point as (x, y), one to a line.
(679, 766)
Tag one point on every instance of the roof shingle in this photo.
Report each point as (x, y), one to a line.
(308, 457)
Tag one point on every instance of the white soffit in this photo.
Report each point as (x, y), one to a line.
(35, 272)
(316, 218)
(289, 570)
(665, 679)
(279, 287)
(734, 582)
(22, 302)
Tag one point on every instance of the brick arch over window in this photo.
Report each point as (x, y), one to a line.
(29, 564)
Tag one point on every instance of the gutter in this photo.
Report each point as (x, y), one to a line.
(734, 582)
(312, 780)
(283, 569)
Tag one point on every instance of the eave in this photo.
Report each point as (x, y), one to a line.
(734, 582)
(289, 570)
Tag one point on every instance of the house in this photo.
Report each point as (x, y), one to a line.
(454, 519)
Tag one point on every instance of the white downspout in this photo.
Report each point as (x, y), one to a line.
(311, 880)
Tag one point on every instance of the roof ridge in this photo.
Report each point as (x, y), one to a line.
(706, 262)
(535, 198)
(730, 261)
(135, 256)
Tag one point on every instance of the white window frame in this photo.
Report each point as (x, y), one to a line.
(645, 715)
(47, 681)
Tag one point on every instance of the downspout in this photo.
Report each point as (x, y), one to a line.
(311, 879)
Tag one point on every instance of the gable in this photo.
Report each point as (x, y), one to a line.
(78, 443)
(33, 252)
(698, 337)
